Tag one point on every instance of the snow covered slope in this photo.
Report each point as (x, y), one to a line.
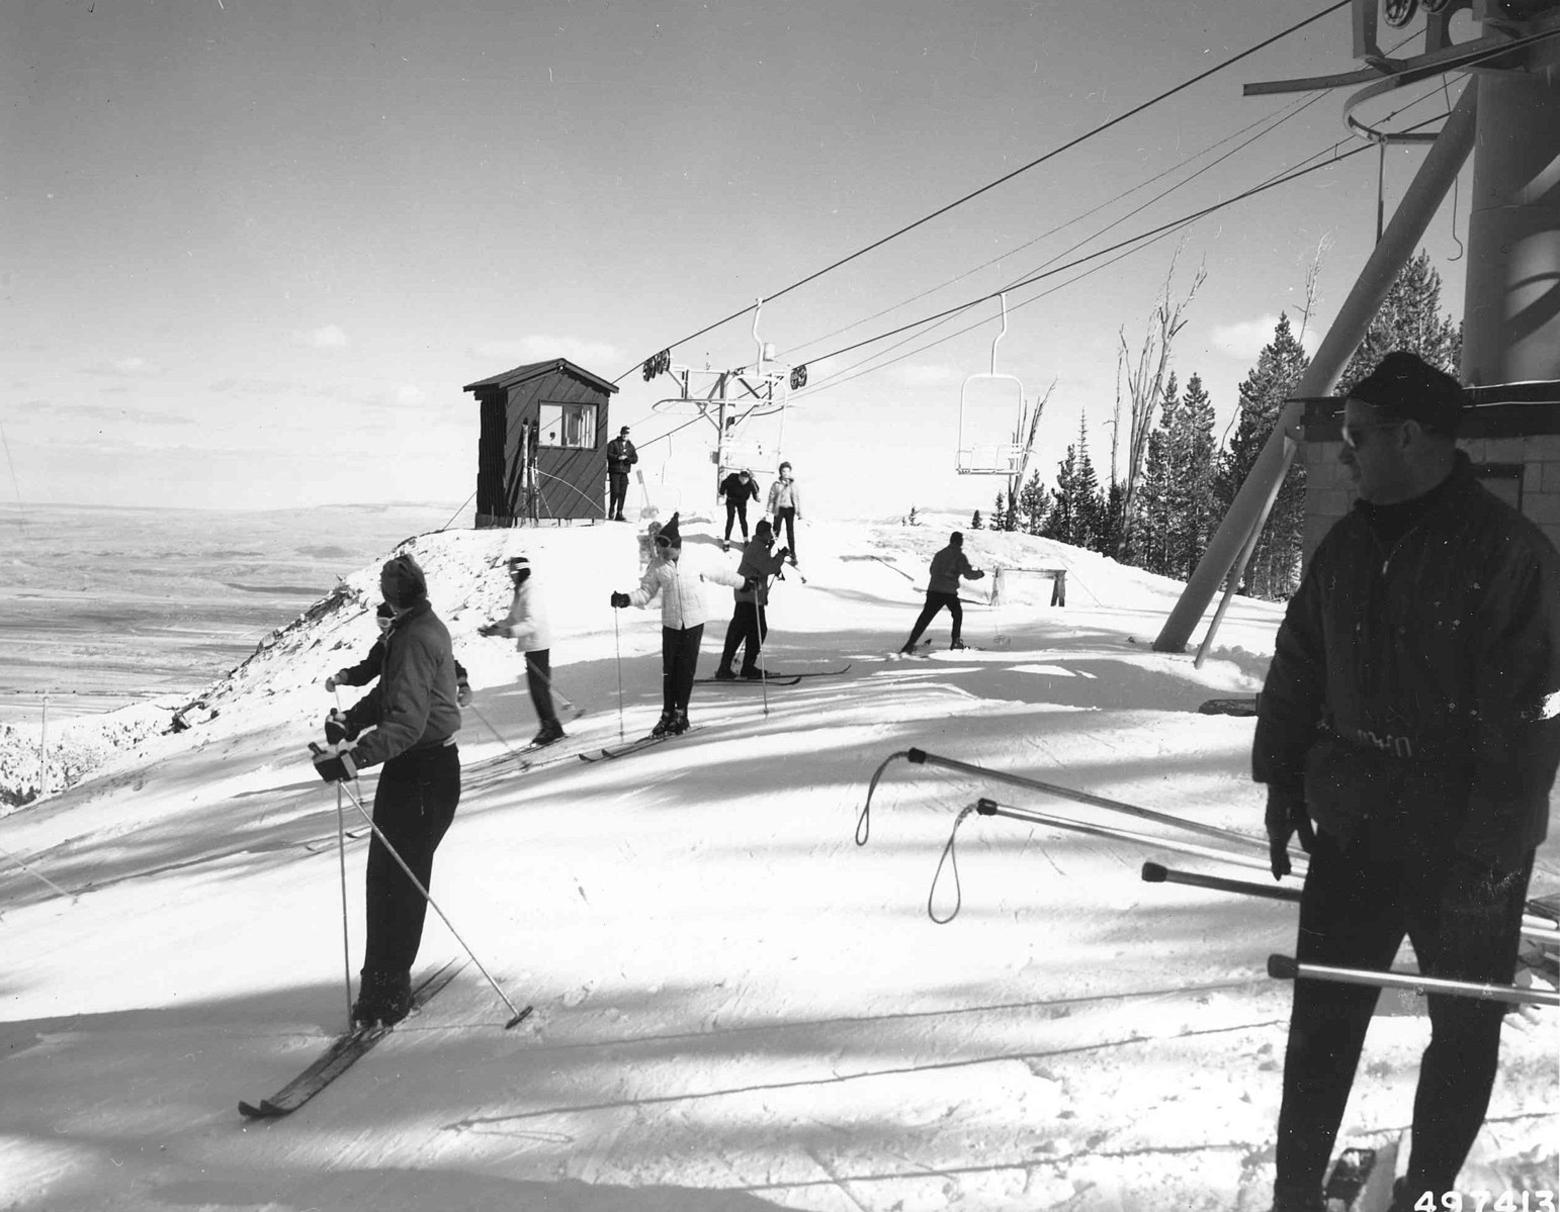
(737, 1007)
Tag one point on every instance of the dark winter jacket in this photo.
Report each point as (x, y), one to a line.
(734, 488)
(366, 670)
(621, 456)
(1416, 677)
(948, 565)
(757, 566)
(414, 705)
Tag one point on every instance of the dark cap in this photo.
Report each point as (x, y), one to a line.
(402, 582)
(1406, 386)
(669, 535)
(624, 429)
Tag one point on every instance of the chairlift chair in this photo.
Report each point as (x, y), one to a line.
(977, 454)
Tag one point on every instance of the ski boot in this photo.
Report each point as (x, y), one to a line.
(663, 726)
(383, 997)
(754, 674)
(679, 724)
(724, 674)
(551, 731)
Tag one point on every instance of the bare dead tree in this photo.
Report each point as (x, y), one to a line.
(1016, 481)
(1145, 377)
(1312, 273)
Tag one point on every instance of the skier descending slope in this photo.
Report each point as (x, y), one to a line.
(680, 586)
(413, 716)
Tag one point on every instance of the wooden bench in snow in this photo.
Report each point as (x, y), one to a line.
(1005, 583)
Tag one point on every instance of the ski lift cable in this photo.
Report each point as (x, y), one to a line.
(1296, 106)
(1002, 180)
(1164, 228)
(1271, 122)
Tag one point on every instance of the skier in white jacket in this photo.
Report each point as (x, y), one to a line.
(526, 624)
(680, 586)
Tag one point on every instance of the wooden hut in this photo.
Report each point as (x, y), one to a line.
(541, 452)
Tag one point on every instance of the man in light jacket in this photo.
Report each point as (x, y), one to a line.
(526, 624)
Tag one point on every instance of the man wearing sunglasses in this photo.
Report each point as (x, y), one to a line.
(1412, 712)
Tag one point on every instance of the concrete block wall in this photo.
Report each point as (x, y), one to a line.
(1329, 494)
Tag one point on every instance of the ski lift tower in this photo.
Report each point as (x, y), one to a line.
(731, 400)
(992, 420)
(1509, 118)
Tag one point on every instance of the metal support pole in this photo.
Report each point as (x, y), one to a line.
(1420, 202)
(988, 807)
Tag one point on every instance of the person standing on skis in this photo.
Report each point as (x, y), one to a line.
(680, 586)
(737, 489)
(366, 670)
(1412, 712)
(408, 722)
(785, 506)
(942, 589)
(748, 622)
(526, 624)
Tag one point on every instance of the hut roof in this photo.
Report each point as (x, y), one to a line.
(533, 370)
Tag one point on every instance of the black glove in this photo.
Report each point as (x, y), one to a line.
(783, 552)
(1286, 815)
(488, 629)
(337, 729)
(335, 767)
(463, 693)
(620, 600)
(977, 574)
(749, 585)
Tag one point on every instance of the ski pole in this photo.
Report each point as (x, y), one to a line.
(1285, 968)
(1534, 928)
(499, 736)
(617, 651)
(763, 669)
(552, 687)
(346, 945)
(42, 879)
(433, 904)
(920, 757)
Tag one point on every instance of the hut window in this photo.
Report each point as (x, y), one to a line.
(572, 426)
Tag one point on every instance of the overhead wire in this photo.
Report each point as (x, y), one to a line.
(1141, 240)
(1002, 180)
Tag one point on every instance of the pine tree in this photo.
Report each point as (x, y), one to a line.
(1275, 565)
(975, 522)
(1091, 512)
(1409, 318)
(1192, 474)
(1060, 520)
(1032, 502)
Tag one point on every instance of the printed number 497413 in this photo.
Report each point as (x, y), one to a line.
(1485, 1201)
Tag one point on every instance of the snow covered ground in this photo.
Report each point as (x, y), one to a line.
(736, 1006)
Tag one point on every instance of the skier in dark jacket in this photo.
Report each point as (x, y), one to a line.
(751, 601)
(412, 717)
(1410, 711)
(942, 589)
(621, 457)
(738, 489)
(366, 670)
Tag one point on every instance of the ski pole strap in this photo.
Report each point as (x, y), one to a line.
(952, 859)
(1286, 968)
(864, 822)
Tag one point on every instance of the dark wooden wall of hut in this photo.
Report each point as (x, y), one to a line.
(570, 483)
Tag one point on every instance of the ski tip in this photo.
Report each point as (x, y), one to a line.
(519, 1018)
(264, 1111)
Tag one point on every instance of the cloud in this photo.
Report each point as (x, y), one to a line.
(1245, 338)
(328, 336)
(598, 357)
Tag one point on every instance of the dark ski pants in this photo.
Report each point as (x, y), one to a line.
(617, 485)
(748, 626)
(1463, 918)
(679, 663)
(736, 511)
(538, 680)
(934, 602)
(413, 807)
(787, 514)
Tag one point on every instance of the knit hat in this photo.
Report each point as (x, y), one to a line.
(402, 582)
(762, 529)
(1405, 385)
(669, 536)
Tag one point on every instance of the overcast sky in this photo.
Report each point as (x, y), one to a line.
(254, 250)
